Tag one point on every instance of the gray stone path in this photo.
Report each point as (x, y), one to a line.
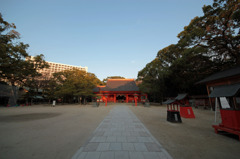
(121, 135)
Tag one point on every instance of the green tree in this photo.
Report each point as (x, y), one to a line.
(14, 67)
(153, 80)
(75, 84)
(208, 44)
(49, 89)
(34, 78)
(218, 30)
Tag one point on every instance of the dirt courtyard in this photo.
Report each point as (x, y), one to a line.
(191, 139)
(47, 132)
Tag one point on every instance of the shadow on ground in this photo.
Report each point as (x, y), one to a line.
(27, 117)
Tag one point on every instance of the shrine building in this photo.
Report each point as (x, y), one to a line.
(120, 90)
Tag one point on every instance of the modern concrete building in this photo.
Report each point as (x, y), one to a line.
(58, 67)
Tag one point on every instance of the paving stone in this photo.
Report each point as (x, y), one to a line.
(140, 147)
(143, 134)
(131, 129)
(145, 139)
(122, 155)
(103, 147)
(152, 147)
(93, 155)
(128, 146)
(104, 126)
(117, 133)
(115, 147)
(151, 155)
(136, 121)
(113, 129)
(162, 155)
(121, 139)
(99, 139)
(106, 121)
(107, 133)
(126, 133)
(136, 155)
(82, 155)
(122, 136)
(111, 139)
(138, 126)
(99, 133)
(134, 133)
(107, 155)
(132, 139)
(91, 147)
(93, 139)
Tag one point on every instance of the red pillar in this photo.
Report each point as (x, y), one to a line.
(114, 98)
(135, 99)
(127, 98)
(106, 100)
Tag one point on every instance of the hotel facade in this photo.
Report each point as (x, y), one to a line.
(57, 67)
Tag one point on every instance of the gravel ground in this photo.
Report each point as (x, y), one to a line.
(47, 132)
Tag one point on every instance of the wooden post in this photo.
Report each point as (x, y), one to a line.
(210, 102)
(106, 100)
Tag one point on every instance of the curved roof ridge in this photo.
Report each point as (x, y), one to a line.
(222, 74)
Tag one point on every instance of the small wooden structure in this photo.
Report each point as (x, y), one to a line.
(223, 89)
(185, 108)
(228, 98)
(173, 114)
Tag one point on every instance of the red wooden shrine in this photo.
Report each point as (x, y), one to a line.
(173, 114)
(185, 108)
(228, 98)
(224, 90)
(120, 91)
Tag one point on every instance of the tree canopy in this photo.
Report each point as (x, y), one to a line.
(72, 84)
(14, 66)
(208, 44)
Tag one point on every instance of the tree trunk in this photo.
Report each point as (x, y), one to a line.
(13, 98)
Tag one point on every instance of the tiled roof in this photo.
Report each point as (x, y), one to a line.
(169, 101)
(120, 85)
(220, 75)
(225, 90)
(96, 89)
(181, 96)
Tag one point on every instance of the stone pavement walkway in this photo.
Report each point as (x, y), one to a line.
(121, 135)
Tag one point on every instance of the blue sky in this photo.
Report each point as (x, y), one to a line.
(110, 37)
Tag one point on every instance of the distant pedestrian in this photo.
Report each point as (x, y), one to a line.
(54, 103)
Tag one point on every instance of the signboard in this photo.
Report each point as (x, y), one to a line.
(224, 102)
